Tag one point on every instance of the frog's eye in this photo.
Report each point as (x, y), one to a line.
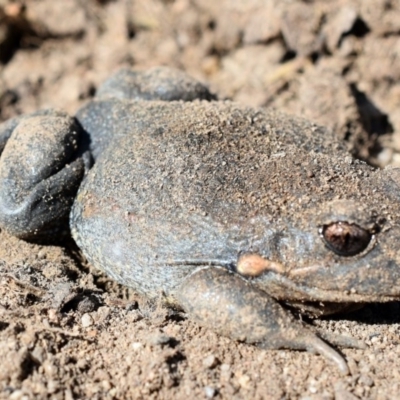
(345, 239)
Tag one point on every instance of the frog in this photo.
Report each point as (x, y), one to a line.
(244, 218)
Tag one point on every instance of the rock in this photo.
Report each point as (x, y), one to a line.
(86, 320)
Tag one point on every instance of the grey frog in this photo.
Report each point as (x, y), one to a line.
(227, 212)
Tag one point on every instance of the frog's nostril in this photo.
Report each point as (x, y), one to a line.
(345, 239)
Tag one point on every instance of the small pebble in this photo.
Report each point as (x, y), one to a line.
(53, 315)
(103, 313)
(210, 361)
(38, 354)
(136, 346)
(92, 333)
(244, 381)
(18, 395)
(226, 372)
(365, 380)
(106, 385)
(41, 255)
(68, 394)
(82, 364)
(348, 160)
(210, 392)
(86, 320)
(225, 367)
(52, 386)
(159, 339)
(87, 304)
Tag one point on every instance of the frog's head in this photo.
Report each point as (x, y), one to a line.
(342, 250)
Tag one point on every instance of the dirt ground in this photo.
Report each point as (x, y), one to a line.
(66, 330)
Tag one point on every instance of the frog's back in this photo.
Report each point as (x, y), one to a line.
(193, 184)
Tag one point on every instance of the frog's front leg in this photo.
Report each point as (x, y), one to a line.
(226, 303)
(41, 167)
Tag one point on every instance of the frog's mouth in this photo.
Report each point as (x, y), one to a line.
(359, 282)
(283, 288)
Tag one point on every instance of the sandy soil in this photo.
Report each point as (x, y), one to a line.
(67, 331)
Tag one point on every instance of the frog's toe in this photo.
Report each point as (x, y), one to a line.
(159, 83)
(41, 168)
(233, 307)
(314, 344)
(341, 340)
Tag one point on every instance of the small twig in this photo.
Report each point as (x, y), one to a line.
(33, 289)
(63, 332)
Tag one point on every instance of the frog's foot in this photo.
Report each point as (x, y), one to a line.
(158, 83)
(41, 167)
(228, 304)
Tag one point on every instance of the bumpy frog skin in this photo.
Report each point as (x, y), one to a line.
(227, 212)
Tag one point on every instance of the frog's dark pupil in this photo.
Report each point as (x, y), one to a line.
(345, 239)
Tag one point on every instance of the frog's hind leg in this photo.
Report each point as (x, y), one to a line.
(41, 166)
(157, 83)
(225, 302)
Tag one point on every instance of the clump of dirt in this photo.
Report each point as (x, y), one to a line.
(67, 331)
